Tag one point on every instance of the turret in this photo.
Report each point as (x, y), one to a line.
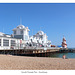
(21, 32)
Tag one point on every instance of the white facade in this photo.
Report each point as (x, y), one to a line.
(40, 38)
(21, 32)
(1, 34)
(4, 35)
(9, 43)
(21, 39)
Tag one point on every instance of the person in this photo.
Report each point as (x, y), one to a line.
(64, 57)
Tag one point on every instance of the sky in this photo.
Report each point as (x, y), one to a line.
(55, 19)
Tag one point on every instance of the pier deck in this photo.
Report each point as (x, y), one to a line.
(28, 51)
(35, 51)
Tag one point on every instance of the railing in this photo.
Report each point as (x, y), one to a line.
(41, 47)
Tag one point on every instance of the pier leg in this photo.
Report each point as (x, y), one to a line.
(45, 54)
(16, 52)
(39, 54)
(13, 52)
(35, 54)
(4, 51)
(42, 54)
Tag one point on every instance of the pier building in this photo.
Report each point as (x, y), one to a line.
(40, 38)
(7, 42)
(17, 40)
(21, 32)
(20, 39)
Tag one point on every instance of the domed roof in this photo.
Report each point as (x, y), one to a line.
(41, 33)
(21, 26)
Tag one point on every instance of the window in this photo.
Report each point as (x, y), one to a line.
(37, 41)
(12, 42)
(0, 42)
(5, 42)
(21, 31)
(41, 37)
(15, 32)
(26, 37)
(42, 41)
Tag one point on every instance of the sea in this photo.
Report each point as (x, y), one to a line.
(59, 55)
(55, 55)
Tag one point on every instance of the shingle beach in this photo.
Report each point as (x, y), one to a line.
(9, 62)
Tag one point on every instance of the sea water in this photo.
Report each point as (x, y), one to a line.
(59, 55)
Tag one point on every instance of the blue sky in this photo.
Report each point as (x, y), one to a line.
(55, 19)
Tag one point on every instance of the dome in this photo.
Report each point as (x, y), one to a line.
(41, 33)
(21, 26)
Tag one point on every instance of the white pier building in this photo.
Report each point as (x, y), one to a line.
(20, 39)
(40, 38)
(7, 42)
(21, 32)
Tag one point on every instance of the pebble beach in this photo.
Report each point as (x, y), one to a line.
(10, 62)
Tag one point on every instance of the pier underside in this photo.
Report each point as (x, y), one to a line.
(35, 52)
(29, 52)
